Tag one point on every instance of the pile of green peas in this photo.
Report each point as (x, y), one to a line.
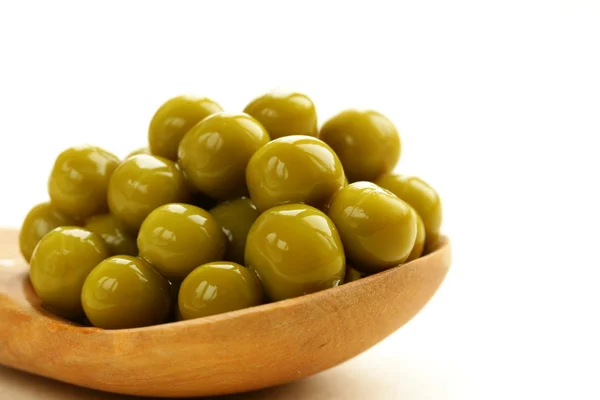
(224, 211)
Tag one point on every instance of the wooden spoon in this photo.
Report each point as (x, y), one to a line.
(234, 352)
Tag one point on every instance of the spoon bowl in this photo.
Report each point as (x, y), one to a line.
(234, 352)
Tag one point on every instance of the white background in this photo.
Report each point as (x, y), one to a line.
(497, 104)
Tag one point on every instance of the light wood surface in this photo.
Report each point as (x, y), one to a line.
(234, 352)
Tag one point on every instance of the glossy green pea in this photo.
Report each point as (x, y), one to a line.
(216, 288)
(423, 198)
(125, 292)
(419, 245)
(215, 153)
(366, 142)
(294, 169)
(295, 249)
(136, 152)
(114, 233)
(174, 119)
(235, 218)
(284, 114)
(59, 265)
(377, 228)
(176, 238)
(40, 220)
(79, 180)
(141, 184)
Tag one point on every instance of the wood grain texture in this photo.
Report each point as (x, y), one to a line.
(228, 353)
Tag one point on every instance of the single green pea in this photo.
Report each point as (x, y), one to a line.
(114, 233)
(377, 228)
(295, 249)
(174, 119)
(141, 184)
(366, 142)
(235, 218)
(214, 154)
(125, 292)
(284, 113)
(79, 180)
(218, 287)
(423, 198)
(40, 220)
(59, 265)
(176, 238)
(294, 169)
